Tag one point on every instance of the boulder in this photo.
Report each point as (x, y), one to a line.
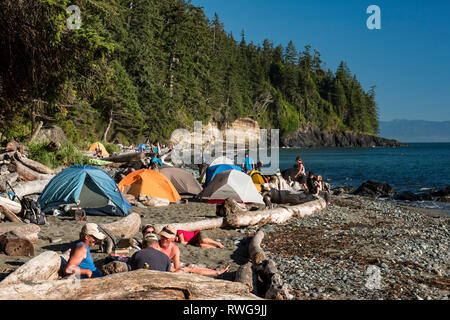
(375, 189)
(51, 134)
(345, 189)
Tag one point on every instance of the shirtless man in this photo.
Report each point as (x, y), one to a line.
(168, 246)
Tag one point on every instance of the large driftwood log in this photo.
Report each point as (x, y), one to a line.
(45, 266)
(13, 245)
(30, 187)
(26, 173)
(28, 231)
(275, 288)
(36, 166)
(256, 254)
(4, 155)
(126, 227)
(9, 214)
(245, 275)
(126, 157)
(206, 224)
(10, 178)
(134, 285)
(13, 206)
(277, 215)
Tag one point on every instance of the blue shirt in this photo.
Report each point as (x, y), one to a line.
(88, 262)
(157, 161)
(248, 163)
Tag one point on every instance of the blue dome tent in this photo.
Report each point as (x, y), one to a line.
(213, 170)
(88, 187)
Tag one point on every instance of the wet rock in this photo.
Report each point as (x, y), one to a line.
(375, 189)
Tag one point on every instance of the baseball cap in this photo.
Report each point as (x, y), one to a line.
(169, 232)
(93, 229)
(151, 236)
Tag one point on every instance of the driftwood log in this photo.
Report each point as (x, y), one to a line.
(126, 157)
(9, 214)
(245, 275)
(8, 154)
(12, 146)
(126, 227)
(45, 266)
(255, 252)
(13, 245)
(275, 288)
(277, 215)
(196, 225)
(27, 174)
(34, 165)
(23, 230)
(10, 178)
(134, 285)
(30, 187)
(13, 206)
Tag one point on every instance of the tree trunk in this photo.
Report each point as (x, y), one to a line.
(9, 214)
(30, 187)
(28, 231)
(34, 165)
(13, 206)
(45, 266)
(206, 224)
(277, 215)
(134, 285)
(257, 255)
(36, 132)
(126, 227)
(105, 135)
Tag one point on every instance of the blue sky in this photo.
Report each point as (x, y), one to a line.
(407, 60)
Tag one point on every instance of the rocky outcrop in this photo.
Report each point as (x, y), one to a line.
(375, 189)
(310, 137)
(53, 133)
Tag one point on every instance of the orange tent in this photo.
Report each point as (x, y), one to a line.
(102, 147)
(149, 182)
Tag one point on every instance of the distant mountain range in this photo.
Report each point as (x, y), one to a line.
(415, 130)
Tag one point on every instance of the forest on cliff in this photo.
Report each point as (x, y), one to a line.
(138, 69)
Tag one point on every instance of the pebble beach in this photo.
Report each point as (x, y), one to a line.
(357, 248)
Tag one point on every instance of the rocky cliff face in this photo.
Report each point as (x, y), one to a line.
(311, 137)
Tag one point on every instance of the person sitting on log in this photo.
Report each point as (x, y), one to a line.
(324, 189)
(150, 257)
(196, 238)
(168, 246)
(313, 186)
(81, 261)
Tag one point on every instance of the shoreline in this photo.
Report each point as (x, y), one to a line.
(333, 240)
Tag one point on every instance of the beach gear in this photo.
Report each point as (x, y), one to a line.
(232, 184)
(211, 171)
(102, 148)
(89, 188)
(257, 178)
(149, 182)
(221, 160)
(182, 180)
(142, 147)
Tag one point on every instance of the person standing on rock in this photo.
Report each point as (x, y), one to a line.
(81, 261)
(300, 176)
(248, 164)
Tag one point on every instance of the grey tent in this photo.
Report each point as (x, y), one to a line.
(182, 180)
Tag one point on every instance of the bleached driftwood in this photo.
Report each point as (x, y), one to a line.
(45, 266)
(276, 216)
(15, 207)
(23, 230)
(30, 187)
(34, 165)
(6, 154)
(10, 178)
(126, 157)
(196, 225)
(13, 245)
(9, 214)
(126, 227)
(134, 285)
(255, 252)
(275, 288)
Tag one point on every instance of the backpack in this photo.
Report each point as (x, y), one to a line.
(31, 210)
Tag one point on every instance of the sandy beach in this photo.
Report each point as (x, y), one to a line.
(322, 256)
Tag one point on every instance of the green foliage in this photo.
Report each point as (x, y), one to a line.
(66, 155)
(140, 71)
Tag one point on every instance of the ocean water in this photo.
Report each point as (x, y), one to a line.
(416, 167)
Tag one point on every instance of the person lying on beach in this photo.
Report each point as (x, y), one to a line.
(168, 246)
(196, 238)
(80, 260)
(150, 256)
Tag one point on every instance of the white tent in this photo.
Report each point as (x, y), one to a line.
(221, 160)
(232, 184)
